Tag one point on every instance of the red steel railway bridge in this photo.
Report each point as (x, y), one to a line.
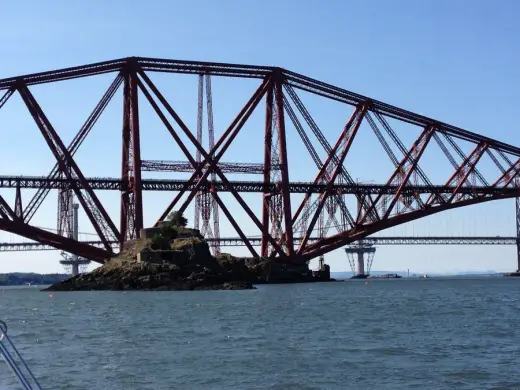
(417, 166)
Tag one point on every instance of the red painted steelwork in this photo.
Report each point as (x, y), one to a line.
(397, 201)
(284, 166)
(508, 176)
(323, 169)
(67, 167)
(59, 242)
(247, 243)
(125, 216)
(402, 174)
(267, 172)
(225, 141)
(18, 208)
(40, 195)
(411, 158)
(341, 239)
(206, 206)
(346, 138)
(136, 155)
(5, 210)
(5, 97)
(461, 174)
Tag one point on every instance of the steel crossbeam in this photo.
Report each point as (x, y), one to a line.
(237, 241)
(115, 184)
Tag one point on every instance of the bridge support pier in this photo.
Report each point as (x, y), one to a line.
(74, 264)
(356, 256)
(360, 264)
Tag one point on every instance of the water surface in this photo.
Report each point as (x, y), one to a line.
(380, 334)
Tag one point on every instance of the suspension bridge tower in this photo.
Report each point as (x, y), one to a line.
(360, 256)
(74, 264)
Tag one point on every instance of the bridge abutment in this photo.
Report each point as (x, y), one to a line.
(360, 256)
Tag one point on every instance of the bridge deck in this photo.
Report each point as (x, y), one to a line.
(115, 184)
(237, 241)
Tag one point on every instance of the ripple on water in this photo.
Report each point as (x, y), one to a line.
(394, 335)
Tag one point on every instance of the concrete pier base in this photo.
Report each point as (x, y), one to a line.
(360, 256)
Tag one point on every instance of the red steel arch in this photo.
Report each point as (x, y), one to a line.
(339, 240)
(333, 200)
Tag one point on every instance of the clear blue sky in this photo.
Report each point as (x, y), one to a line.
(456, 61)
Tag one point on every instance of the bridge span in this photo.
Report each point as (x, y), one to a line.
(310, 200)
(237, 241)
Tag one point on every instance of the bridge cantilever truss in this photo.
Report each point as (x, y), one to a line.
(340, 209)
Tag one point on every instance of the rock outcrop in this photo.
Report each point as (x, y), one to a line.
(178, 258)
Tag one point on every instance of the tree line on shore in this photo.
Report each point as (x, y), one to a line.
(25, 278)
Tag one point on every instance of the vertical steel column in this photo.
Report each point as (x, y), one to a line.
(321, 235)
(284, 168)
(75, 236)
(125, 164)
(75, 222)
(137, 188)
(360, 259)
(198, 155)
(97, 214)
(211, 138)
(18, 209)
(65, 200)
(264, 249)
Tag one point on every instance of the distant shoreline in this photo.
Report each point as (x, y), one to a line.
(29, 278)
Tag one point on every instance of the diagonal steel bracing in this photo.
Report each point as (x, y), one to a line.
(206, 206)
(131, 218)
(405, 195)
(78, 139)
(345, 140)
(221, 146)
(99, 218)
(402, 174)
(304, 205)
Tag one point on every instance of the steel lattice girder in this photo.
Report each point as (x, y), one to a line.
(115, 184)
(250, 71)
(88, 199)
(237, 241)
(339, 240)
(56, 241)
(460, 193)
(185, 166)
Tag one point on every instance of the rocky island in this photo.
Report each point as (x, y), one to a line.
(174, 257)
